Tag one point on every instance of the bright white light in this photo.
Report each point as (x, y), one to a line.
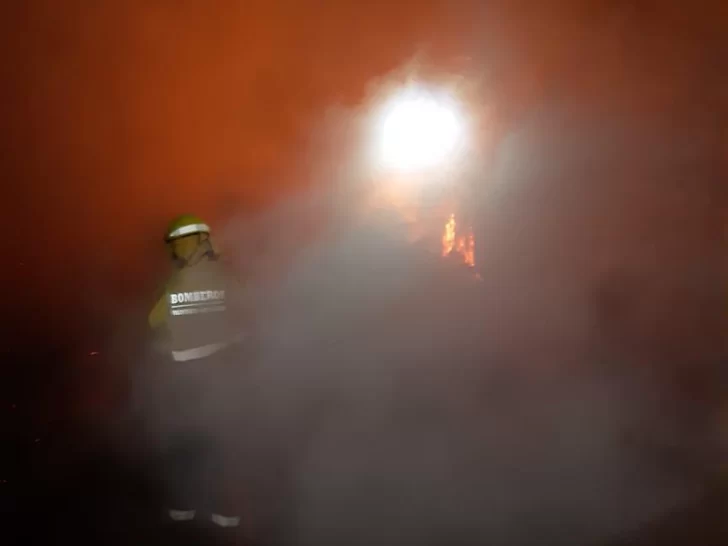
(418, 130)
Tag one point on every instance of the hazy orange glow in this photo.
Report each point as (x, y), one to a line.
(137, 110)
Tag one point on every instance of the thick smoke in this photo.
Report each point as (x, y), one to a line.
(393, 398)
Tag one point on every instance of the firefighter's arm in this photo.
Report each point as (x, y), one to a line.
(158, 315)
(157, 320)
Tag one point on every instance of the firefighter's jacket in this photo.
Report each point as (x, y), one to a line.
(198, 313)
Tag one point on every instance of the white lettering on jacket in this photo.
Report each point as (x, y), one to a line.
(199, 301)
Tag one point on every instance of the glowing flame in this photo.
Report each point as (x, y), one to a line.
(448, 238)
(467, 249)
(452, 242)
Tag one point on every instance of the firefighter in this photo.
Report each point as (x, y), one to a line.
(196, 329)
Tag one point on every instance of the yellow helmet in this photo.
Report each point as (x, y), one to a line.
(184, 225)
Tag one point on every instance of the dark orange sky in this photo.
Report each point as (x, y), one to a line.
(122, 114)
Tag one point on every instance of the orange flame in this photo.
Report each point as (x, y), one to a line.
(462, 244)
(448, 238)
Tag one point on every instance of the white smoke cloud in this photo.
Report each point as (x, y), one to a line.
(399, 401)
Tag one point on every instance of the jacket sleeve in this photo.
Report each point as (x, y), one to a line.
(157, 320)
(158, 315)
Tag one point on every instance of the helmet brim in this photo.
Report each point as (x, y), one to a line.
(184, 231)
